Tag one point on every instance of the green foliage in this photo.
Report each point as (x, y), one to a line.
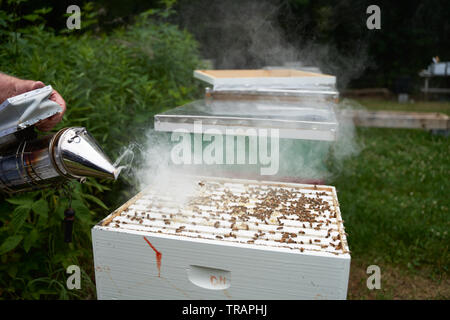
(112, 84)
(32, 245)
(162, 13)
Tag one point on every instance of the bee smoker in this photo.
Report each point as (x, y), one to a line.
(28, 162)
(71, 153)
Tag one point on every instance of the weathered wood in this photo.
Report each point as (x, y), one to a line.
(398, 119)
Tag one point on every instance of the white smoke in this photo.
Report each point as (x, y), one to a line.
(246, 34)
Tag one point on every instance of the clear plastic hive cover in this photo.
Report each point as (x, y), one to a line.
(299, 120)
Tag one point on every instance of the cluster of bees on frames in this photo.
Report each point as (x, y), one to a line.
(249, 211)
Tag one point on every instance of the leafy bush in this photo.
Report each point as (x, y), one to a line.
(113, 85)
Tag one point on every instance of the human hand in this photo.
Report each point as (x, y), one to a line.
(23, 86)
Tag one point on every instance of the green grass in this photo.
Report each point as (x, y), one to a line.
(394, 198)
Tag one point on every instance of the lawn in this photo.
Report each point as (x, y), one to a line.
(394, 196)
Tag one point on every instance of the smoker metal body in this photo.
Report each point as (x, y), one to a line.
(28, 162)
(216, 245)
(71, 153)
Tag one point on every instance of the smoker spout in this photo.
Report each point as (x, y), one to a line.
(77, 154)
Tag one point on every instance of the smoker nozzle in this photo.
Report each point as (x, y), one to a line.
(76, 154)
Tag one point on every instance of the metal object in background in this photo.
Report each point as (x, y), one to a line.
(437, 70)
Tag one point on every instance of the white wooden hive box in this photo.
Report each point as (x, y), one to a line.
(245, 79)
(229, 239)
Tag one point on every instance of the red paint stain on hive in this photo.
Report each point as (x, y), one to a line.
(158, 256)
